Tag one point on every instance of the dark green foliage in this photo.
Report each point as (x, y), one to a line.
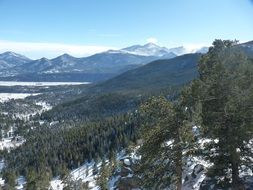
(38, 180)
(221, 102)
(104, 175)
(56, 149)
(223, 97)
(92, 107)
(165, 134)
(71, 184)
(64, 172)
(10, 179)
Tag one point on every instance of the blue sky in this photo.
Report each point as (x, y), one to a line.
(82, 27)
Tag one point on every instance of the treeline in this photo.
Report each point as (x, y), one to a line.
(93, 107)
(219, 104)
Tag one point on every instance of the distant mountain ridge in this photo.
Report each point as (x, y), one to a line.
(152, 49)
(149, 49)
(248, 48)
(102, 66)
(107, 64)
(184, 50)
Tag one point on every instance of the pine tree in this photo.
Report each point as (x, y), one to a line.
(10, 179)
(165, 134)
(104, 175)
(64, 172)
(72, 184)
(38, 181)
(224, 97)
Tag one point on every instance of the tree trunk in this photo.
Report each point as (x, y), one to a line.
(178, 162)
(236, 182)
(179, 171)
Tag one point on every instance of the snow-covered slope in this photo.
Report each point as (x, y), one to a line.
(185, 50)
(152, 49)
(5, 97)
(11, 59)
(149, 49)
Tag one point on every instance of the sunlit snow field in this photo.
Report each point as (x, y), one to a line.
(4, 97)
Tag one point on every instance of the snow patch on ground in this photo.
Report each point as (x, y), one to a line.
(56, 184)
(84, 172)
(10, 143)
(45, 106)
(25, 115)
(5, 97)
(1, 165)
(20, 183)
(1, 182)
(127, 162)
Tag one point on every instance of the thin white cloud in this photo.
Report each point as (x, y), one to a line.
(50, 50)
(152, 40)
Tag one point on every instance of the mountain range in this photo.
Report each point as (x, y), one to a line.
(94, 68)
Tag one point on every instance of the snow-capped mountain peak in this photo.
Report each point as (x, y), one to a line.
(43, 59)
(149, 49)
(10, 59)
(11, 55)
(248, 45)
(152, 49)
(151, 45)
(65, 58)
(181, 50)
